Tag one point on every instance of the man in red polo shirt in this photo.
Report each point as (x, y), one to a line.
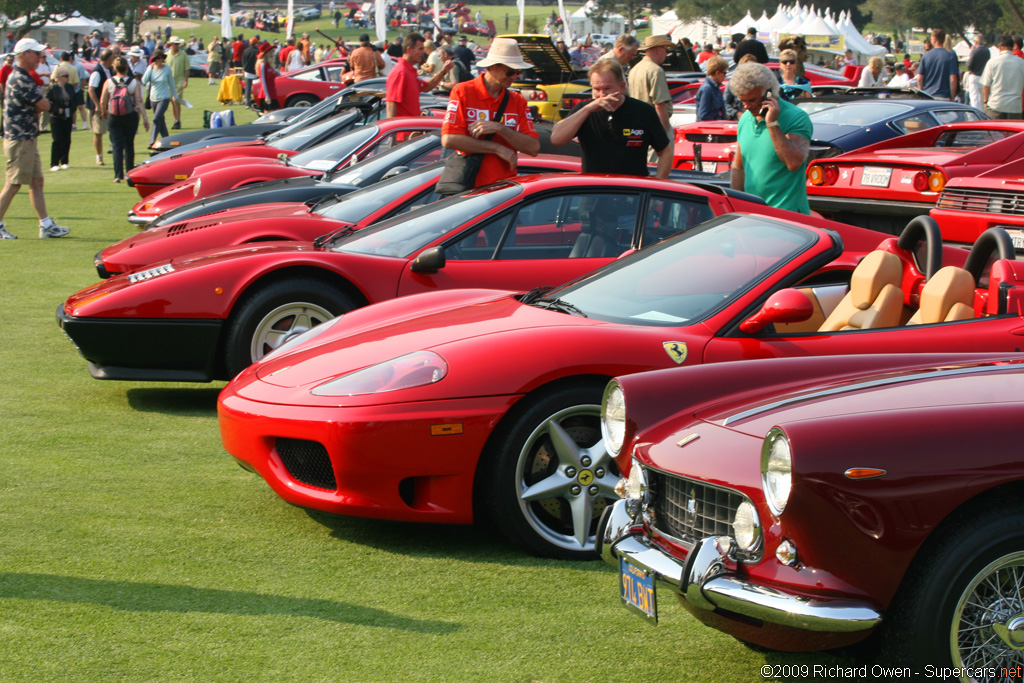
(469, 126)
(403, 86)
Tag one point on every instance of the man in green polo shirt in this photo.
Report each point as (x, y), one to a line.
(774, 137)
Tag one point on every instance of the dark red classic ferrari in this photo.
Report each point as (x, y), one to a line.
(449, 406)
(806, 504)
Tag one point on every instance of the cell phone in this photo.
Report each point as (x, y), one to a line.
(764, 107)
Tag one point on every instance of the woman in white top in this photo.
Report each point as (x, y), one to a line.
(874, 75)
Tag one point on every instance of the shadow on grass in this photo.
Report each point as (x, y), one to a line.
(188, 402)
(154, 597)
(478, 543)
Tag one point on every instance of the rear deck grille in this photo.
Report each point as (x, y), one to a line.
(307, 462)
(689, 510)
(982, 201)
(727, 138)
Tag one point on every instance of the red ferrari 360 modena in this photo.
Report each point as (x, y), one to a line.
(208, 315)
(904, 176)
(442, 406)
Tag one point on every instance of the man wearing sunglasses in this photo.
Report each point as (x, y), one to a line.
(471, 123)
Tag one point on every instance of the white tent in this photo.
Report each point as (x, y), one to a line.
(699, 32)
(58, 34)
(764, 23)
(742, 25)
(855, 41)
(583, 21)
(779, 21)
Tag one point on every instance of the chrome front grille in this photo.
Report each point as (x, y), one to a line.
(689, 510)
(982, 201)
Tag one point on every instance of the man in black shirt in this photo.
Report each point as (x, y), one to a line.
(615, 131)
(464, 54)
(249, 56)
(750, 45)
(975, 67)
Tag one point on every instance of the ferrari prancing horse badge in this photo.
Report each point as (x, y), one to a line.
(676, 351)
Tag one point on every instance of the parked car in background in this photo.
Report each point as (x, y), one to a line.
(807, 503)
(169, 11)
(520, 234)
(307, 13)
(969, 206)
(488, 402)
(886, 184)
(550, 78)
(344, 150)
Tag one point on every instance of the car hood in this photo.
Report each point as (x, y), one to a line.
(885, 394)
(268, 212)
(836, 133)
(373, 336)
(549, 65)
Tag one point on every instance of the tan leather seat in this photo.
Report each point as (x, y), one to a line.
(948, 296)
(875, 298)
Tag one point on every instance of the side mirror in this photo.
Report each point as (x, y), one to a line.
(784, 306)
(394, 171)
(433, 260)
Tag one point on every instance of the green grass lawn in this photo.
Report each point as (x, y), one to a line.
(132, 547)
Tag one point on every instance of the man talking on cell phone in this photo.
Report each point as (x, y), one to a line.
(774, 137)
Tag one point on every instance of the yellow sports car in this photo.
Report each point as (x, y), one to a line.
(551, 76)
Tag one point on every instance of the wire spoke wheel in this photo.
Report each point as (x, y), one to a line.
(987, 630)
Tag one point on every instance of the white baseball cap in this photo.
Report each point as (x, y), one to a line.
(28, 45)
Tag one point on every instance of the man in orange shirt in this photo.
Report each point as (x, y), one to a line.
(470, 126)
(304, 46)
(364, 62)
(403, 85)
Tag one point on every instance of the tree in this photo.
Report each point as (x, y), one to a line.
(55, 10)
(728, 12)
(631, 9)
(956, 18)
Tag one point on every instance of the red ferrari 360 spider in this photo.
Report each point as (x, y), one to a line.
(802, 504)
(208, 315)
(903, 177)
(478, 401)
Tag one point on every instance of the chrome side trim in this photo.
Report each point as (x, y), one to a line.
(858, 386)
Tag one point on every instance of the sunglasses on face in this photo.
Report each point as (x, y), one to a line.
(789, 61)
(509, 73)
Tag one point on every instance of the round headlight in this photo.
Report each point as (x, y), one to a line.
(776, 470)
(746, 527)
(613, 418)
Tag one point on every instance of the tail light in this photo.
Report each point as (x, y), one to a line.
(831, 174)
(534, 95)
(815, 174)
(921, 181)
(936, 181)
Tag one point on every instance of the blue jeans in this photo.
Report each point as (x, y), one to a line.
(159, 124)
(122, 138)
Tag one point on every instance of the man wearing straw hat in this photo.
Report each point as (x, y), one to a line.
(647, 82)
(470, 126)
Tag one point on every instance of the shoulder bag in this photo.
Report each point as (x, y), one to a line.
(460, 170)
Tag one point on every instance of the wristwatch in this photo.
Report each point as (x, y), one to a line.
(772, 124)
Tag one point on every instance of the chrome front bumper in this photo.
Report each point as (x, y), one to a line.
(703, 580)
(137, 220)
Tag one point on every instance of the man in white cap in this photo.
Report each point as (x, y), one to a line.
(137, 61)
(177, 61)
(23, 101)
(470, 126)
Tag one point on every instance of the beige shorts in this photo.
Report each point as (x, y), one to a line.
(97, 124)
(180, 88)
(23, 162)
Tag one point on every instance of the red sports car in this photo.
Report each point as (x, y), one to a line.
(170, 167)
(292, 220)
(482, 400)
(170, 11)
(903, 176)
(208, 315)
(802, 504)
(224, 172)
(306, 86)
(968, 207)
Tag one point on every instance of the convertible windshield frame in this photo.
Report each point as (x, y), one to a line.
(690, 277)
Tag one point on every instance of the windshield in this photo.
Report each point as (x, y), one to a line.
(355, 207)
(406, 234)
(326, 155)
(305, 132)
(859, 113)
(415, 152)
(686, 279)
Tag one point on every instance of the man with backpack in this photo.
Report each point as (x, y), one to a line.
(122, 103)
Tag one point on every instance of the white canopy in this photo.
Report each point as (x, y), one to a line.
(855, 41)
(581, 23)
(58, 34)
(779, 21)
(699, 32)
(743, 24)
